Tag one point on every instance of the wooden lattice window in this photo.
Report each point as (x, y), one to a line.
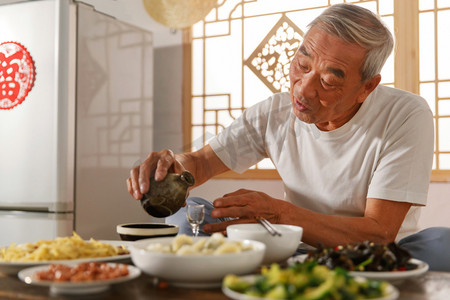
(240, 53)
(434, 79)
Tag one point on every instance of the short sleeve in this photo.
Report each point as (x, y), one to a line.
(242, 144)
(403, 168)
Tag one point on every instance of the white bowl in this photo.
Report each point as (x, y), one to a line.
(278, 248)
(197, 271)
(139, 231)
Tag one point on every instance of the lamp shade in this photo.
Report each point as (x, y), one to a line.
(178, 14)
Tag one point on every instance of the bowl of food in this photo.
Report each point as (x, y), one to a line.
(139, 231)
(278, 248)
(196, 262)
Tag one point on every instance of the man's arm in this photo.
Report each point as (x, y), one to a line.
(203, 164)
(381, 221)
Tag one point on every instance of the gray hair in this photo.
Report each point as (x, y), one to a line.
(355, 24)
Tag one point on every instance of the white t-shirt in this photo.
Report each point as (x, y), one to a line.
(385, 151)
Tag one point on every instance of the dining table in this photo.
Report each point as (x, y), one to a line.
(431, 285)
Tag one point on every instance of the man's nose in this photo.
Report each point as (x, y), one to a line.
(308, 86)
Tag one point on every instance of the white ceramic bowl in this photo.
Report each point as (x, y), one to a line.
(278, 248)
(139, 231)
(196, 271)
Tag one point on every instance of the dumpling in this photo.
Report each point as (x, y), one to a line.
(207, 251)
(158, 247)
(187, 250)
(181, 240)
(246, 246)
(198, 246)
(215, 241)
(228, 247)
(155, 247)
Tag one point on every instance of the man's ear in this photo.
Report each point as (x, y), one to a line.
(368, 87)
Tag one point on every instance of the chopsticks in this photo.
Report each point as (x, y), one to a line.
(268, 226)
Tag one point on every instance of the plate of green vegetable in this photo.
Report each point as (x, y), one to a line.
(305, 281)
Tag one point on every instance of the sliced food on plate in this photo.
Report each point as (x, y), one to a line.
(88, 271)
(82, 278)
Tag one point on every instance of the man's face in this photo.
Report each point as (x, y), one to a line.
(326, 87)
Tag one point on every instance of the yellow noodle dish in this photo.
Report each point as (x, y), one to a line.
(61, 248)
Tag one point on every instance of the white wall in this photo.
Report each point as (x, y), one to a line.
(168, 127)
(134, 13)
(114, 120)
(437, 211)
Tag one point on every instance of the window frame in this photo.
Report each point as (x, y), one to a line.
(406, 61)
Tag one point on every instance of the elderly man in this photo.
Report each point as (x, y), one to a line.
(355, 157)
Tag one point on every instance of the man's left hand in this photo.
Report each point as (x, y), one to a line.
(243, 206)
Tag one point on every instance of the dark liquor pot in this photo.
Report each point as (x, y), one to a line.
(167, 196)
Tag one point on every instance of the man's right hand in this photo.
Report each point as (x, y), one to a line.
(157, 164)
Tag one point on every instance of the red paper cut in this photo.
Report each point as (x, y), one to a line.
(17, 74)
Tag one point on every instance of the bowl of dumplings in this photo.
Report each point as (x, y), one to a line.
(196, 262)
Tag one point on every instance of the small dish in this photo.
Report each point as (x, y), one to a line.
(75, 288)
(138, 231)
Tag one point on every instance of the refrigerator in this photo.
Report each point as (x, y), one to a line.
(76, 113)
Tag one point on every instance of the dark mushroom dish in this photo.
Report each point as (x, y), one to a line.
(365, 256)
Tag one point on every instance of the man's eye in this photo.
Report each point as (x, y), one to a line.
(303, 67)
(326, 84)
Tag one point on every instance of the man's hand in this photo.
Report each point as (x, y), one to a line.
(157, 164)
(203, 164)
(244, 205)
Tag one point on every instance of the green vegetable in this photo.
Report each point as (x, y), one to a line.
(235, 283)
(277, 292)
(319, 292)
(361, 266)
(306, 281)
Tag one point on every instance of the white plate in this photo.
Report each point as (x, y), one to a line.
(87, 287)
(393, 292)
(422, 267)
(391, 276)
(8, 267)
